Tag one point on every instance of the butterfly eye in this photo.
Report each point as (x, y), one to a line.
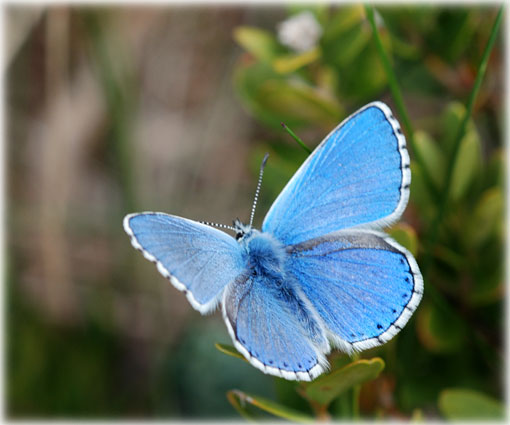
(239, 236)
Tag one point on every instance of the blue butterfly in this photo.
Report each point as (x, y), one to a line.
(319, 274)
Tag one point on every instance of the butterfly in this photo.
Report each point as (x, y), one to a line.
(319, 274)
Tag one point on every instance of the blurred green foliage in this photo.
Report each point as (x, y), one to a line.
(468, 404)
(454, 339)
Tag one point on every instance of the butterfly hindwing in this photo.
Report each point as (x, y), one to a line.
(274, 329)
(197, 259)
(363, 285)
(358, 176)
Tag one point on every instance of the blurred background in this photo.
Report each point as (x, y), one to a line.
(112, 110)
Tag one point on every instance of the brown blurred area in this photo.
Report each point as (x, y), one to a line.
(111, 111)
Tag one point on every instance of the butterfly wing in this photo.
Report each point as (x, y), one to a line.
(197, 259)
(358, 175)
(274, 328)
(363, 285)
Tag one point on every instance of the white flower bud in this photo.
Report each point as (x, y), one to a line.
(300, 32)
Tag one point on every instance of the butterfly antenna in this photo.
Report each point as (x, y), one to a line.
(221, 226)
(258, 187)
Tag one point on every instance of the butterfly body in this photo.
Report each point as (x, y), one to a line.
(265, 255)
(319, 274)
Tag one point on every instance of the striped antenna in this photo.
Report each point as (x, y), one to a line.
(258, 188)
(221, 226)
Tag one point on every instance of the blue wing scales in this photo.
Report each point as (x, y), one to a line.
(274, 328)
(358, 176)
(197, 259)
(363, 285)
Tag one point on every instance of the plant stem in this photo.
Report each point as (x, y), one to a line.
(355, 395)
(399, 101)
(355, 402)
(296, 138)
(434, 228)
(433, 294)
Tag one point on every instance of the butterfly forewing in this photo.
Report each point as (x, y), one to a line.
(358, 176)
(198, 259)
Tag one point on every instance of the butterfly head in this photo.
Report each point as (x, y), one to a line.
(241, 229)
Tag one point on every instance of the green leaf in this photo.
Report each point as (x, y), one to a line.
(440, 331)
(487, 218)
(404, 49)
(461, 404)
(247, 82)
(260, 43)
(451, 120)
(420, 193)
(364, 76)
(229, 350)
(292, 62)
(417, 416)
(327, 79)
(295, 103)
(239, 399)
(405, 236)
(450, 256)
(342, 21)
(287, 393)
(467, 165)
(343, 45)
(273, 99)
(327, 387)
(432, 157)
(338, 360)
(239, 404)
(495, 174)
(490, 285)
(461, 28)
